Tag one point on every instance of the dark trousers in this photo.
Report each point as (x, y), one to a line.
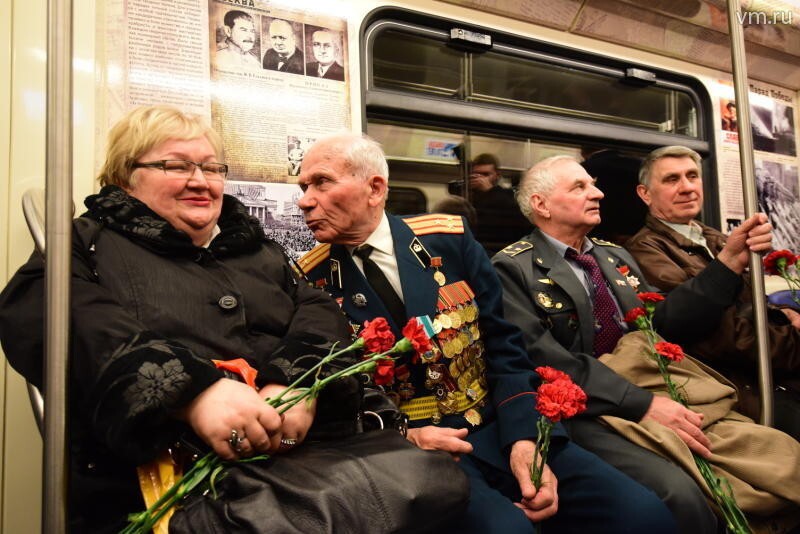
(593, 498)
(677, 489)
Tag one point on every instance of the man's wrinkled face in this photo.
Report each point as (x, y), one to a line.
(243, 34)
(281, 36)
(574, 201)
(675, 193)
(322, 44)
(335, 202)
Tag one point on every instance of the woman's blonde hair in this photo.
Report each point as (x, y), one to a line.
(142, 129)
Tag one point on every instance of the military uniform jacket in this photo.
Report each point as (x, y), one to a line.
(546, 300)
(511, 380)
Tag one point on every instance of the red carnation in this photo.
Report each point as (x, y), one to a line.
(548, 374)
(415, 333)
(560, 400)
(377, 335)
(384, 372)
(670, 351)
(778, 260)
(650, 298)
(633, 315)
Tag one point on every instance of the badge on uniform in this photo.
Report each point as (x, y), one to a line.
(359, 300)
(422, 255)
(544, 300)
(336, 274)
(436, 262)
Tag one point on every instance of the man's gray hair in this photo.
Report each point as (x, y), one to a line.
(674, 151)
(539, 179)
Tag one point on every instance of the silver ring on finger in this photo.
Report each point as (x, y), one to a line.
(236, 440)
(288, 442)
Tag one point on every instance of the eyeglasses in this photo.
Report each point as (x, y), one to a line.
(212, 171)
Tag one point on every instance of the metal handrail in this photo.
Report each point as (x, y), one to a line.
(741, 88)
(33, 210)
(58, 236)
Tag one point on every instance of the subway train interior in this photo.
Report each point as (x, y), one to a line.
(438, 83)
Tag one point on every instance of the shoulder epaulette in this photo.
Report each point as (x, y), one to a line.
(314, 257)
(515, 248)
(605, 243)
(436, 223)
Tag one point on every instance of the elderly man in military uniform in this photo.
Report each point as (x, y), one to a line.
(569, 294)
(473, 394)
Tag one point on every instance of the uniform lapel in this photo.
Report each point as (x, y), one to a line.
(355, 290)
(420, 290)
(559, 271)
(623, 292)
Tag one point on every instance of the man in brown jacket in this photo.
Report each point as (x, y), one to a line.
(673, 247)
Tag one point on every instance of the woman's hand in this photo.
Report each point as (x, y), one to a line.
(229, 405)
(296, 421)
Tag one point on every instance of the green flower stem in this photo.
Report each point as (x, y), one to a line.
(358, 344)
(719, 487)
(792, 281)
(143, 522)
(544, 428)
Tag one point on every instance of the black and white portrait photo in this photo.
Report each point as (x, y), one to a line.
(325, 46)
(238, 41)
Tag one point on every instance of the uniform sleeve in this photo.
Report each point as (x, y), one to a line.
(608, 392)
(512, 381)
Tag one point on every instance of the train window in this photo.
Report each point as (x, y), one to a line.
(420, 60)
(406, 201)
(416, 63)
(510, 81)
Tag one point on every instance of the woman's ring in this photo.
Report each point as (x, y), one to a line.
(288, 442)
(236, 440)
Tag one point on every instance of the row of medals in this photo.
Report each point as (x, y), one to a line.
(458, 337)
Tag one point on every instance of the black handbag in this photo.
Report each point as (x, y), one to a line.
(372, 482)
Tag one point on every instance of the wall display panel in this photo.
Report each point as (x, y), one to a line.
(271, 79)
(773, 124)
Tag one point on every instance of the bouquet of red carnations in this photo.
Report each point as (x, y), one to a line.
(376, 339)
(785, 264)
(664, 354)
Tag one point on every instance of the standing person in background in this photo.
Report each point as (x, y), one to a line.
(497, 212)
(674, 247)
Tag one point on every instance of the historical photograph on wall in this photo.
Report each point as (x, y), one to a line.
(275, 206)
(777, 188)
(275, 73)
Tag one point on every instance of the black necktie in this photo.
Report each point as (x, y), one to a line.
(380, 284)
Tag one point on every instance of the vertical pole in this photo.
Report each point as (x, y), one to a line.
(58, 236)
(750, 206)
